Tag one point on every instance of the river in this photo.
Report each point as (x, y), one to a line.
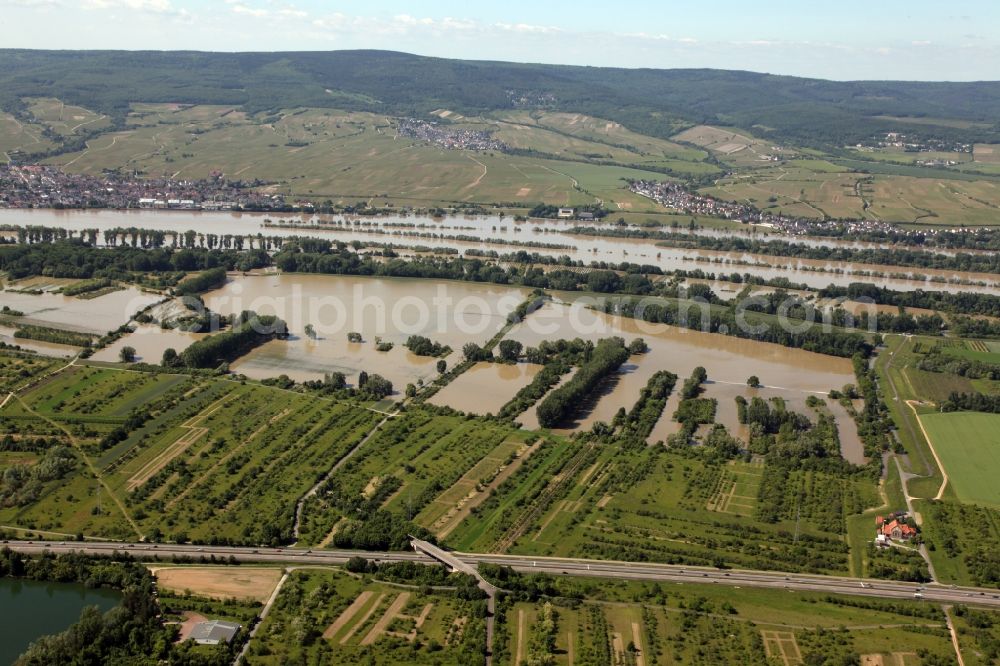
(502, 235)
(31, 609)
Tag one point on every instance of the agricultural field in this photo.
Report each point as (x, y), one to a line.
(987, 351)
(803, 188)
(347, 156)
(175, 456)
(968, 444)
(733, 147)
(16, 135)
(816, 188)
(222, 583)
(986, 153)
(330, 617)
(415, 466)
(18, 369)
(963, 541)
(901, 156)
(563, 159)
(580, 137)
(659, 623)
(663, 506)
(62, 119)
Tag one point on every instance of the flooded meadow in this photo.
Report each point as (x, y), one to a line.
(383, 311)
(791, 374)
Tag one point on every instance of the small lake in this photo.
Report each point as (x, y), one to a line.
(31, 609)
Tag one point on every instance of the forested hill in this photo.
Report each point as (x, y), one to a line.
(652, 101)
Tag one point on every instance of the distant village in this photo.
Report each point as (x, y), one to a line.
(908, 144)
(449, 137)
(675, 195)
(37, 186)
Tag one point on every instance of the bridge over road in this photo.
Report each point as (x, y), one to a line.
(449, 560)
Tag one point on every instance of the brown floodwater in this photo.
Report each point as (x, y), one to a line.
(794, 374)
(451, 313)
(851, 446)
(96, 315)
(413, 231)
(37, 346)
(149, 342)
(486, 387)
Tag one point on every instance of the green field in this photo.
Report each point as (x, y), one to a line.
(968, 444)
(346, 156)
(410, 467)
(577, 501)
(813, 189)
(566, 159)
(326, 616)
(623, 622)
(212, 459)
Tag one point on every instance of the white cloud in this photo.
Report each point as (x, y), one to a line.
(154, 6)
(30, 3)
(284, 12)
(527, 28)
(238, 8)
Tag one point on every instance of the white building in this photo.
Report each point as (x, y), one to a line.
(214, 632)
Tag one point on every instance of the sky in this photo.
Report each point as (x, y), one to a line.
(844, 40)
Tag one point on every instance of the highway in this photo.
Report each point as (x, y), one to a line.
(642, 571)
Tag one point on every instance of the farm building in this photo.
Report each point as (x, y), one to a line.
(214, 632)
(895, 529)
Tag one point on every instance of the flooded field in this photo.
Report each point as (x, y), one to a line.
(505, 235)
(485, 387)
(792, 374)
(96, 315)
(390, 310)
(149, 342)
(37, 346)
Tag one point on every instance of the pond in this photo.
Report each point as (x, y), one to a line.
(31, 609)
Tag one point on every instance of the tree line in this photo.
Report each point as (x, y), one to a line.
(834, 342)
(201, 282)
(961, 261)
(964, 302)
(249, 330)
(560, 404)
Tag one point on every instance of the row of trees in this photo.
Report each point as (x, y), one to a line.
(75, 259)
(203, 281)
(835, 342)
(971, 402)
(607, 357)
(249, 330)
(964, 302)
(936, 361)
(647, 410)
(964, 262)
